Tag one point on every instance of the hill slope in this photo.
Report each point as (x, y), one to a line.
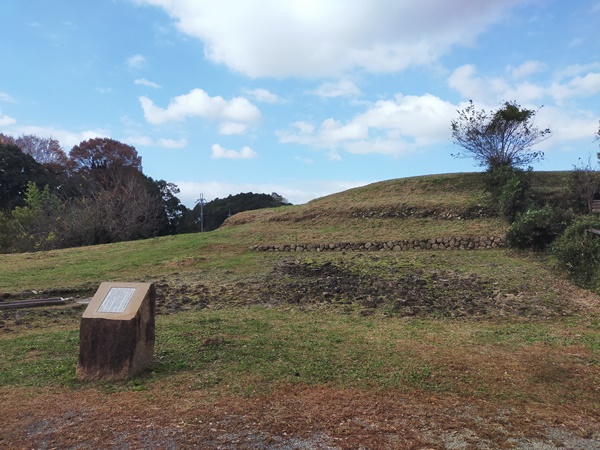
(418, 208)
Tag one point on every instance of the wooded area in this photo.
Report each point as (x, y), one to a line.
(96, 194)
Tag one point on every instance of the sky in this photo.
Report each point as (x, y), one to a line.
(300, 97)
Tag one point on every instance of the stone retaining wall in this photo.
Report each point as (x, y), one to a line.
(448, 243)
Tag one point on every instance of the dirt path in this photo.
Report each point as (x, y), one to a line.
(294, 418)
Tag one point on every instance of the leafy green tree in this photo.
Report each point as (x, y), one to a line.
(36, 223)
(172, 210)
(7, 232)
(16, 170)
(501, 138)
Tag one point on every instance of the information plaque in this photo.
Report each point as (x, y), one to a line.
(116, 300)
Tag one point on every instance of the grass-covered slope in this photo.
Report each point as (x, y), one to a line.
(420, 207)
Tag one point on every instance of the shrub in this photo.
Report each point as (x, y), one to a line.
(538, 228)
(578, 252)
(510, 190)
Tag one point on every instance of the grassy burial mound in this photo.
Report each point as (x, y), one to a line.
(416, 208)
(422, 348)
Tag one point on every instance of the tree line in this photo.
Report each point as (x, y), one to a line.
(95, 194)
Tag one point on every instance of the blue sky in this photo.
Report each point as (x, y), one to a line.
(299, 97)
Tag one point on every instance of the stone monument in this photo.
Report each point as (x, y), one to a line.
(116, 336)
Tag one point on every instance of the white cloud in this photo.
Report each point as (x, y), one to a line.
(581, 86)
(136, 61)
(149, 142)
(576, 70)
(6, 120)
(304, 127)
(332, 132)
(172, 143)
(296, 191)
(465, 81)
(144, 82)
(197, 103)
(146, 141)
(263, 95)
(4, 97)
(219, 152)
(232, 128)
(470, 85)
(567, 126)
(391, 127)
(424, 118)
(343, 88)
(104, 90)
(526, 69)
(312, 38)
(391, 147)
(587, 85)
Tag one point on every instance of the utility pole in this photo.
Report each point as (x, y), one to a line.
(201, 201)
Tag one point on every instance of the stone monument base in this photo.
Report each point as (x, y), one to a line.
(116, 336)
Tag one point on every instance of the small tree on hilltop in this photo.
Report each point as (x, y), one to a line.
(502, 138)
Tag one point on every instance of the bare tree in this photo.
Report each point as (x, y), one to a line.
(125, 211)
(46, 151)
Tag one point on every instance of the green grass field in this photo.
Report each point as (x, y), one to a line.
(272, 322)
